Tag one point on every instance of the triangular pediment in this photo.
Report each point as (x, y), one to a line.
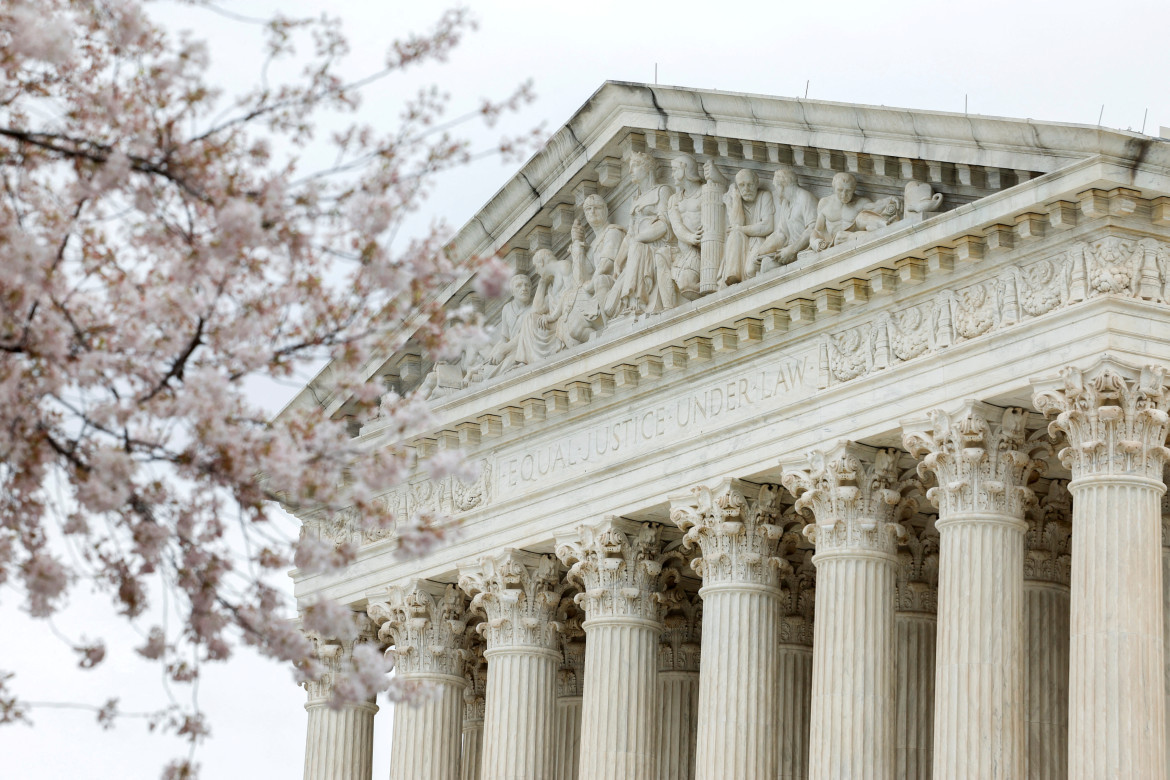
(911, 170)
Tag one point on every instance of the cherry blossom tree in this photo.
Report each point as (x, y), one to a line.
(165, 245)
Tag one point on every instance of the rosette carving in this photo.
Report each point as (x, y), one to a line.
(916, 585)
(735, 527)
(426, 623)
(519, 592)
(853, 491)
(981, 456)
(1113, 417)
(678, 649)
(1048, 540)
(618, 564)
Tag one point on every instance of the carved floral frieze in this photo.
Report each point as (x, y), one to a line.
(1113, 265)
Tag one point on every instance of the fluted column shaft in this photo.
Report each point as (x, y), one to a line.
(428, 735)
(737, 731)
(678, 701)
(519, 729)
(978, 728)
(340, 743)
(1046, 643)
(794, 693)
(471, 759)
(852, 490)
(1115, 422)
(619, 711)
(982, 458)
(852, 734)
(518, 592)
(619, 565)
(915, 640)
(1116, 706)
(568, 737)
(1166, 625)
(735, 527)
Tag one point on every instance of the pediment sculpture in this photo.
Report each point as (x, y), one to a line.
(700, 233)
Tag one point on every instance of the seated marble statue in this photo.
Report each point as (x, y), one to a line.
(751, 218)
(677, 266)
(843, 216)
(494, 354)
(445, 378)
(604, 253)
(796, 216)
(536, 330)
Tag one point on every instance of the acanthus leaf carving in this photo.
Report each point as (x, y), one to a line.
(981, 456)
(1112, 416)
(619, 566)
(1048, 540)
(916, 585)
(681, 641)
(738, 536)
(519, 593)
(853, 491)
(426, 625)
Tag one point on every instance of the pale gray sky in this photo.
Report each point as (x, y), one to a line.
(1043, 60)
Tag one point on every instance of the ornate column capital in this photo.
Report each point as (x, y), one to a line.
(680, 644)
(475, 672)
(982, 457)
(735, 527)
(618, 565)
(335, 656)
(571, 674)
(853, 491)
(798, 596)
(426, 623)
(916, 585)
(519, 592)
(1113, 415)
(1048, 540)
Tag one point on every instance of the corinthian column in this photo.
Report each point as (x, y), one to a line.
(1166, 617)
(1046, 637)
(797, 598)
(980, 457)
(734, 526)
(618, 564)
(852, 492)
(915, 634)
(339, 744)
(1115, 421)
(474, 701)
(426, 623)
(518, 592)
(570, 686)
(678, 684)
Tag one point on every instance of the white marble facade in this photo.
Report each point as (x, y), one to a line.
(815, 441)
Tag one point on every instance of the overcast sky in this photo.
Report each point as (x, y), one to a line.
(1053, 61)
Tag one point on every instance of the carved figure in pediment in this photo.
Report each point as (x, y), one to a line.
(796, 216)
(536, 329)
(634, 288)
(581, 314)
(751, 218)
(445, 378)
(677, 266)
(603, 255)
(920, 200)
(844, 216)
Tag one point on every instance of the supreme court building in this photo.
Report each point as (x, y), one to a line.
(815, 441)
